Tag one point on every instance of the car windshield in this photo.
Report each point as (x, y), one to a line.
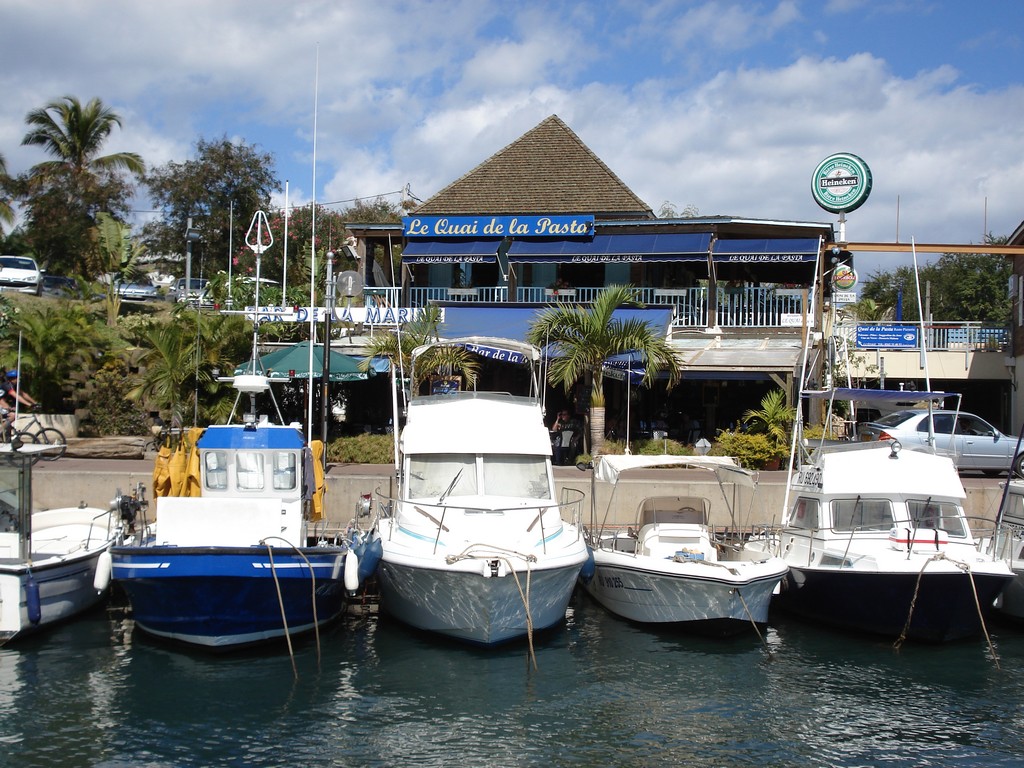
(16, 262)
(896, 418)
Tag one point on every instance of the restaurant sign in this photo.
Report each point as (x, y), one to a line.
(355, 315)
(887, 336)
(498, 226)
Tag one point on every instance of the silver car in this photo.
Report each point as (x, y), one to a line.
(969, 440)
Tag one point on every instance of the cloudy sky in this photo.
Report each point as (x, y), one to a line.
(723, 105)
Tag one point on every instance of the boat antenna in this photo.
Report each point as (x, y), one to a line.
(924, 347)
(312, 256)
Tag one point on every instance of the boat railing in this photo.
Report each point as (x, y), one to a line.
(569, 507)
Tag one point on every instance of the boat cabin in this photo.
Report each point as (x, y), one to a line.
(262, 461)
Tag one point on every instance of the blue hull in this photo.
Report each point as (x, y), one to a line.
(223, 597)
(880, 603)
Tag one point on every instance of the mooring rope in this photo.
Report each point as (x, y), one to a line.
(524, 596)
(753, 623)
(284, 617)
(966, 568)
(312, 583)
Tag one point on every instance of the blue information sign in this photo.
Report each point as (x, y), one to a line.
(887, 336)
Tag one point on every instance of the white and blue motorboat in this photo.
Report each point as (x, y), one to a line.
(54, 564)
(238, 563)
(479, 547)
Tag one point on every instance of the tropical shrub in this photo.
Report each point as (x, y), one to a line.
(110, 410)
(751, 450)
(362, 449)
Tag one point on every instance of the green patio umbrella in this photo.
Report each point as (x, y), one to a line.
(293, 362)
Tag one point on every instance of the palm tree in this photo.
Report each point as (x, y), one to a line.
(397, 347)
(55, 342)
(74, 134)
(6, 209)
(583, 338)
(773, 418)
(117, 257)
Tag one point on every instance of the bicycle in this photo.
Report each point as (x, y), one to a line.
(37, 433)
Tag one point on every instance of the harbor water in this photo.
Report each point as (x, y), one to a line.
(603, 693)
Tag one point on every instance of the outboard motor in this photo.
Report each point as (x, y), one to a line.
(128, 506)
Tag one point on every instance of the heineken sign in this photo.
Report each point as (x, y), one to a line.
(842, 182)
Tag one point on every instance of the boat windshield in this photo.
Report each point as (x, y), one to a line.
(501, 475)
(862, 514)
(940, 515)
(432, 475)
(520, 476)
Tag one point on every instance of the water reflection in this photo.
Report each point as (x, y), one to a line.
(605, 692)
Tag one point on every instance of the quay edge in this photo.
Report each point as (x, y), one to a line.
(71, 481)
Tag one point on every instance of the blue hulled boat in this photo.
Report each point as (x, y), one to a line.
(232, 563)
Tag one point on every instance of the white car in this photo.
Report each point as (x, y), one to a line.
(20, 273)
(197, 293)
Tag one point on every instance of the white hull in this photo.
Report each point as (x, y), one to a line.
(463, 603)
(66, 551)
(718, 597)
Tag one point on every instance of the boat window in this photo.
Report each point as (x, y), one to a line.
(431, 476)
(940, 515)
(862, 515)
(805, 514)
(284, 471)
(215, 464)
(249, 471)
(520, 476)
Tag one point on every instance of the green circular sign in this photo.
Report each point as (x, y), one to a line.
(842, 182)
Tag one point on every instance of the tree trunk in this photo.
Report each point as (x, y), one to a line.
(596, 430)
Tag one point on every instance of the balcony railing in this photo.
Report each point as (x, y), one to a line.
(939, 336)
(735, 307)
(755, 307)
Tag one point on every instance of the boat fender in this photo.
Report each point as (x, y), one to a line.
(35, 612)
(104, 567)
(587, 571)
(351, 571)
(372, 552)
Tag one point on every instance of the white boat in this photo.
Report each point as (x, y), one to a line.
(877, 541)
(668, 566)
(1007, 544)
(477, 547)
(53, 563)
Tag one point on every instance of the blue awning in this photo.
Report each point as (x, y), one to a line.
(451, 251)
(767, 251)
(611, 249)
(514, 322)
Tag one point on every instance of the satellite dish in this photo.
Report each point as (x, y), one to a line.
(349, 283)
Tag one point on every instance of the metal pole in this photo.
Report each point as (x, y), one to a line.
(325, 380)
(231, 249)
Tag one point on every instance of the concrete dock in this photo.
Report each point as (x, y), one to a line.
(94, 482)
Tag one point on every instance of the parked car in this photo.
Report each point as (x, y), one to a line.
(969, 440)
(20, 273)
(138, 291)
(196, 293)
(56, 285)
